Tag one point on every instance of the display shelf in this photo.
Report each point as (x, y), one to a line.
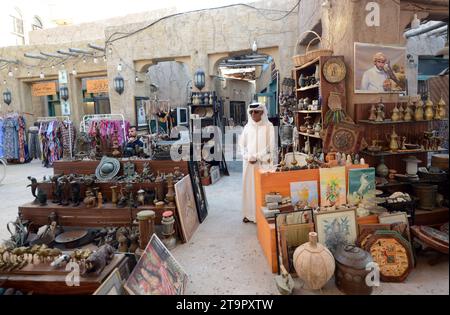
(308, 111)
(412, 152)
(390, 122)
(201, 105)
(312, 87)
(310, 136)
(309, 64)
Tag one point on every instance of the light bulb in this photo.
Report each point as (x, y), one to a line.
(4, 82)
(119, 67)
(95, 60)
(63, 65)
(255, 47)
(74, 71)
(104, 58)
(10, 74)
(137, 79)
(53, 66)
(42, 75)
(15, 69)
(84, 60)
(29, 73)
(415, 23)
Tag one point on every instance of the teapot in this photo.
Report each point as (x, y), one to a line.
(393, 141)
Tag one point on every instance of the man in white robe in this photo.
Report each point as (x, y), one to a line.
(258, 147)
(376, 79)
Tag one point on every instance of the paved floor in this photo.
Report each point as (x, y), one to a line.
(224, 256)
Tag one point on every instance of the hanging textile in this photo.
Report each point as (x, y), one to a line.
(14, 141)
(1, 137)
(34, 144)
(57, 141)
(103, 131)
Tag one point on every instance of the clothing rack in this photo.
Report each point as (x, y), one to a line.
(63, 119)
(87, 118)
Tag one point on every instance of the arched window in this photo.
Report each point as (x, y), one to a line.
(37, 23)
(17, 26)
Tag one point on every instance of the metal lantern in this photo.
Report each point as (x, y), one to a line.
(199, 79)
(64, 93)
(119, 84)
(7, 97)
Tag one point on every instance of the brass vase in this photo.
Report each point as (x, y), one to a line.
(429, 113)
(441, 108)
(418, 114)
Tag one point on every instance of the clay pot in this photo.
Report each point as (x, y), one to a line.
(314, 263)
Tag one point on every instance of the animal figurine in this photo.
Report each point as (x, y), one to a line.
(57, 190)
(46, 235)
(34, 187)
(42, 197)
(66, 191)
(98, 260)
(76, 192)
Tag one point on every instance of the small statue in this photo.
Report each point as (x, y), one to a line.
(123, 244)
(141, 197)
(404, 143)
(99, 200)
(146, 172)
(90, 199)
(98, 260)
(123, 200)
(42, 198)
(58, 190)
(76, 192)
(66, 188)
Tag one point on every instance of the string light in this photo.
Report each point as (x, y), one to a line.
(10, 73)
(74, 71)
(4, 82)
(95, 60)
(104, 58)
(84, 60)
(63, 65)
(42, 75)
(119, 67)
(29, 73)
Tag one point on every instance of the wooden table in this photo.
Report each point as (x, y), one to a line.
(46, 281)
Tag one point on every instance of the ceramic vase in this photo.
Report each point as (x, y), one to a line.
(314, 263)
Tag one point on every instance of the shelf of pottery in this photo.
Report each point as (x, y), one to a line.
(401, 129)
(312, 93)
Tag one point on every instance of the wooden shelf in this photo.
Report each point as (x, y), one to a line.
(309, 64)
(389, 153)
(390, 122)
(312, 87)
(311, 136)
(308, 111)
(203, 105)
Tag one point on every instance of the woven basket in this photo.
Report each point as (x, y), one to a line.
(300, 60)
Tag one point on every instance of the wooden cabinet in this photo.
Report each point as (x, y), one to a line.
(317, 90)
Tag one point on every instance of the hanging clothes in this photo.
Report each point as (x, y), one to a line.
(258, 147)
(103, 131)
(1, 137)
(34, 143)
(14, 140)
(57, 141)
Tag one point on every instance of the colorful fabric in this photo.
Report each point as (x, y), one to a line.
(1, 137)
(11, 138)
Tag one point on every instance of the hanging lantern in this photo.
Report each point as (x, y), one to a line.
(64, 93)
(199, 79)
(119, 84)
(7, 97)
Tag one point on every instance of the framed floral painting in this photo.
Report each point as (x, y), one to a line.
(337, 228)
(333, 190)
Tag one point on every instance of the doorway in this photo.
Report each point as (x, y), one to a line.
(238, 113)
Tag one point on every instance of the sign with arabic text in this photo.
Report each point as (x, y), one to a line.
(43, 89)
(97, 86)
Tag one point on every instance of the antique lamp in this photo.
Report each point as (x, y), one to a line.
(119, 84)
(7, 97)
(199, 79)
(64, 93)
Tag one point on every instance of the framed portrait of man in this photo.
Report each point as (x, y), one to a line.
(380, 69)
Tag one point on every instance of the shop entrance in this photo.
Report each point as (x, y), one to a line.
(95, 96)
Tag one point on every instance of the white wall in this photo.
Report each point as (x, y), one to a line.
(28, 10)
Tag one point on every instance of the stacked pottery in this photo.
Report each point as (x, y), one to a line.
(314, 263)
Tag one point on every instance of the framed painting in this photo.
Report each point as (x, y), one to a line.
(187, 209)
(380, 69)
(199, 191)
(337, 228)
(141, 109)
(157, 272)
(113, 285)
(333, 187)
(305, 195)
(361, 185)
(292, 230)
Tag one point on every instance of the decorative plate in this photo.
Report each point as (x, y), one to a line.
(200, 111)
(392, 253)
(343, 137)
(334, 70)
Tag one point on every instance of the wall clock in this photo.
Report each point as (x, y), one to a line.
(392, 253)
(334, 70)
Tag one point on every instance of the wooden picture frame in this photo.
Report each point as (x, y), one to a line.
(186, 207)
(157, 272)
(399, 222)
(367, 230)
(113, 285)
(289, 236)
(199, 191)
(141, 110)
(336, 228)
